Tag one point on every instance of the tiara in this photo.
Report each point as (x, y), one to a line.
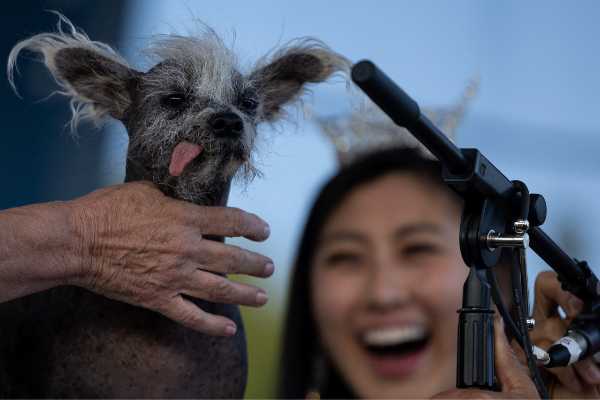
(367, 129)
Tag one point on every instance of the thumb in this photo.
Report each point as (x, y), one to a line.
(513, 375)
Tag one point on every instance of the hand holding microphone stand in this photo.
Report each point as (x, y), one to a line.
(499, 215)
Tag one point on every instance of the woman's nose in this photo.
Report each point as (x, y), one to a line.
(388, 287)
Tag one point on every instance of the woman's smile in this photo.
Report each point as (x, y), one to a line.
(396, 351)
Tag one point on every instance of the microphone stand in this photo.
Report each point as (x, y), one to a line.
(498, 214)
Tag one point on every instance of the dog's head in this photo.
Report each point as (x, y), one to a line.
(192, 117)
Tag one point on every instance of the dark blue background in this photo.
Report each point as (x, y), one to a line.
(39, 160)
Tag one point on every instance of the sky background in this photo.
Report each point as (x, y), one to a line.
(536, 115)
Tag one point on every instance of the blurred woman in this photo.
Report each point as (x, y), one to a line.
(376, 286)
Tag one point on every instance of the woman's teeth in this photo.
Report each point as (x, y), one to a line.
(394, 336)
(396, 352)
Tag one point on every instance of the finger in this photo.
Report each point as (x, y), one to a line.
(224, 221)
(565, 375)
(512, 374)
(548, 331)
(589, 371)
(229, 259)
(189, 315)
(549, 294)
(217, 289)
(568, 378)
(546, 288)
(465, 394)
(573, 307)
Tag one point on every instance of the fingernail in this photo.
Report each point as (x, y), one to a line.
(261, 298)
(230, 330)
(267, 230)
(269, 268)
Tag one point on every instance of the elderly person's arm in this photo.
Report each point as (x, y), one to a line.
(133, 244)
(37, 250)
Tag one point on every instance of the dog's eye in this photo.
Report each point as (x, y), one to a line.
(173, 100)
(249, 104)
(248, 101)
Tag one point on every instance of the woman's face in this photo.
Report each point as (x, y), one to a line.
(386, 284)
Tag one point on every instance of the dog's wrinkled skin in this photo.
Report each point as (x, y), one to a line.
(68, 342)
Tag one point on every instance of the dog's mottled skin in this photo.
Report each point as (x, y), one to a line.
(68, 342)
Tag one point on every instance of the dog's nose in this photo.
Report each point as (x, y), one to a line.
(226, 124)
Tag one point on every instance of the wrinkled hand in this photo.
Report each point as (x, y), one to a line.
(141, 247)
(513, 375)
(579, 380)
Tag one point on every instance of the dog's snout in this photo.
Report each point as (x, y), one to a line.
(226, 124)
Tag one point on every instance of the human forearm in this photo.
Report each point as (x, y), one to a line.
(133, 244)
(37, 249)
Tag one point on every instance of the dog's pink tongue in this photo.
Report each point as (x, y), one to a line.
(182, 155)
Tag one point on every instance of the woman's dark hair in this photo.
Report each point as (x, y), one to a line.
(300, 344)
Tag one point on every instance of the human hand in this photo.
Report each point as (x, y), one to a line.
(581, 379)
(513, 375)
(138, 246)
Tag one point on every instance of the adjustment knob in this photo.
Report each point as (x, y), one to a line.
(537, 209)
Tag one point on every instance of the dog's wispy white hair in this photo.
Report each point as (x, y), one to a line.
(193, 78)
(47, 45)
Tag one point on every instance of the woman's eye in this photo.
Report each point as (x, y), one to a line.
(419, 249)
(173, 101)
(337, 259)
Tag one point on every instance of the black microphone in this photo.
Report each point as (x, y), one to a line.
(582, 339)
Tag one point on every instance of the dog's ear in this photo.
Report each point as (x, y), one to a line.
(98, 81)
(283, 79)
